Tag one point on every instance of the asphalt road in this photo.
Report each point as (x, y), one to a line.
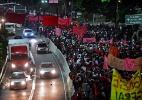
(38, 89)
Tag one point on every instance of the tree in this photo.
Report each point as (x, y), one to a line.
(3, 45)
(105, 0)
(108, 8)
(78, 5)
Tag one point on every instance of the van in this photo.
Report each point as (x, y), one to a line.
(11, 28)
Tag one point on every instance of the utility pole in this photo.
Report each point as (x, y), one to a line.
(117, 12)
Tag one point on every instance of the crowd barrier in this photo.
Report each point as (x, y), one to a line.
(64, 67)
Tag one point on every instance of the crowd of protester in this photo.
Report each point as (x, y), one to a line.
(85, 60)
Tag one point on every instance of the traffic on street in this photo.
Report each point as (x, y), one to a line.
(33, 87)
(70, 50)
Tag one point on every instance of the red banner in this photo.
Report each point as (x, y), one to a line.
(15, 18)
(89, 40)
(80, 30)
(50, 20)
(35, 18)
(66, 21)
(129, 64)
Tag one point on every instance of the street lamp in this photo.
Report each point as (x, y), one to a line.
(3, 20)
(43, 1)
(2, 23)
(117, 11)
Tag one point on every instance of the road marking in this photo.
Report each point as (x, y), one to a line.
(34, 79)
(33, 87)
(32, 58)
(62, 77)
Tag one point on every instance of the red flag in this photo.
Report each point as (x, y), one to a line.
(50, 20)
(105, 66)
(15, 18)
(114, 50)
(129, 64)
(80, 30)
(66, 21)
(58, 31)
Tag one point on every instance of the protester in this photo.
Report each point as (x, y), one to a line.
(86, 59)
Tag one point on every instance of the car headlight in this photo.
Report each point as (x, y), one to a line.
(31, 69)
(53, 71)
(26, 65)
(32, 34)
(23, 82)
(41, 72)
(12, 83)
(13, 66)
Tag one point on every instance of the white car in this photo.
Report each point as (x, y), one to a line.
(42, 47)
(47, 69)
(18, 80)
(28, 33)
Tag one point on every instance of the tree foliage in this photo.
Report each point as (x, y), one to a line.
(3, 45)
(108, 9)
(78, 5)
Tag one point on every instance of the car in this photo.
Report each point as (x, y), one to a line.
(42, 47)
(28, 33)
(47, 69)
(18, 80)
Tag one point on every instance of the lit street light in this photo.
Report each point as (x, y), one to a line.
(2, 20)
(43, 1)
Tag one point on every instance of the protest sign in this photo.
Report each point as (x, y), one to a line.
(126, 90)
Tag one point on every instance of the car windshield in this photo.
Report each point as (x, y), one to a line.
(19, 57)
(18, 76)
(46, 66)
(42, 45)
(28, 30)
(9, 26)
